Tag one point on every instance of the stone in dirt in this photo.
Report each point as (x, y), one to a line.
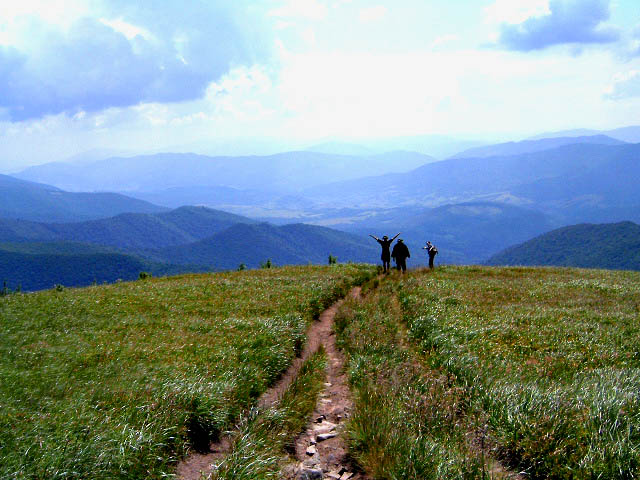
(324, 436)
(311, 450)
(346, 476)
(324, 427)
(333, 474)
(310, 474)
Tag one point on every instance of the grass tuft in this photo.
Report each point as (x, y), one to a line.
(264, 436)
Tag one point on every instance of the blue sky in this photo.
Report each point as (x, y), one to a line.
(151, 75)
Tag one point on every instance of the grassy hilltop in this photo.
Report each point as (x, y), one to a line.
(460, 372)
(120, 381)
(539, 366)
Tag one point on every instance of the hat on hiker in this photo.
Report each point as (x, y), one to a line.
(384, 237)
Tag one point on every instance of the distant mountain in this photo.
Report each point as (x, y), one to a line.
(35, 266)
(214, 197)
(95, 155)
(281, 173)
(438, 146)
(340, 148)
(578, 132)
(196, 238)
(255, 244)
(611, 183)
(38, 202)
(626, 134)
(128, 231)
(613, 246)
(531, 146)
(475, 179)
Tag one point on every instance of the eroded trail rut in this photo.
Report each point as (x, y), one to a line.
(321, 448)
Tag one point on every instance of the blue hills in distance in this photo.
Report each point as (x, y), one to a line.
(470, 207)
(40, 202)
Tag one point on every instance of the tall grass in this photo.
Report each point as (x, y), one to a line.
(258, 451)
(120, 381)
(407, 421)
(548, 356)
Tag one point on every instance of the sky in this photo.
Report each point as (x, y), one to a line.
(255, 76)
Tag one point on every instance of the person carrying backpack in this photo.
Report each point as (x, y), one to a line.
(432, 251)
(400, 254)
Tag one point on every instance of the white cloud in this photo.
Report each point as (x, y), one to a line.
(515, 11)
(127, 29)
(46, 10)
(372, 14)
(624, 85)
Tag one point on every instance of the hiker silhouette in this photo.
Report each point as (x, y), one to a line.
(385, 243)
(400, 253)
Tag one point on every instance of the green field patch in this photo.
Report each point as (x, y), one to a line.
(408, 420)
(549, 357)
(121, 381)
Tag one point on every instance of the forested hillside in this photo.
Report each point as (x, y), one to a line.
(35, 266)
(614, 246)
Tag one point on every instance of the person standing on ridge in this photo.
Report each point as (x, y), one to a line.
(400, 253)
(432, 251)
(385, 243)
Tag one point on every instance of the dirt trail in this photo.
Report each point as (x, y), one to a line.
(322, 447)
(334, 404)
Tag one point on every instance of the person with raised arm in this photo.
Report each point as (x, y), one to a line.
(385, 243)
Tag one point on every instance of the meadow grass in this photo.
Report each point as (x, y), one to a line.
(407, 420)
(121, 381)
(259, 448)
(549, 360)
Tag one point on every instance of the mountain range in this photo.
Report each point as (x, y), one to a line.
(38, 202)
(569, 182)
(629, 134)
(471, 206)
(282, 173)
(253, 244)
(38, 255)
(531, 146)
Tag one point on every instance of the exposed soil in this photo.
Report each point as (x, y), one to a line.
(312, 451)
(333, 407)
